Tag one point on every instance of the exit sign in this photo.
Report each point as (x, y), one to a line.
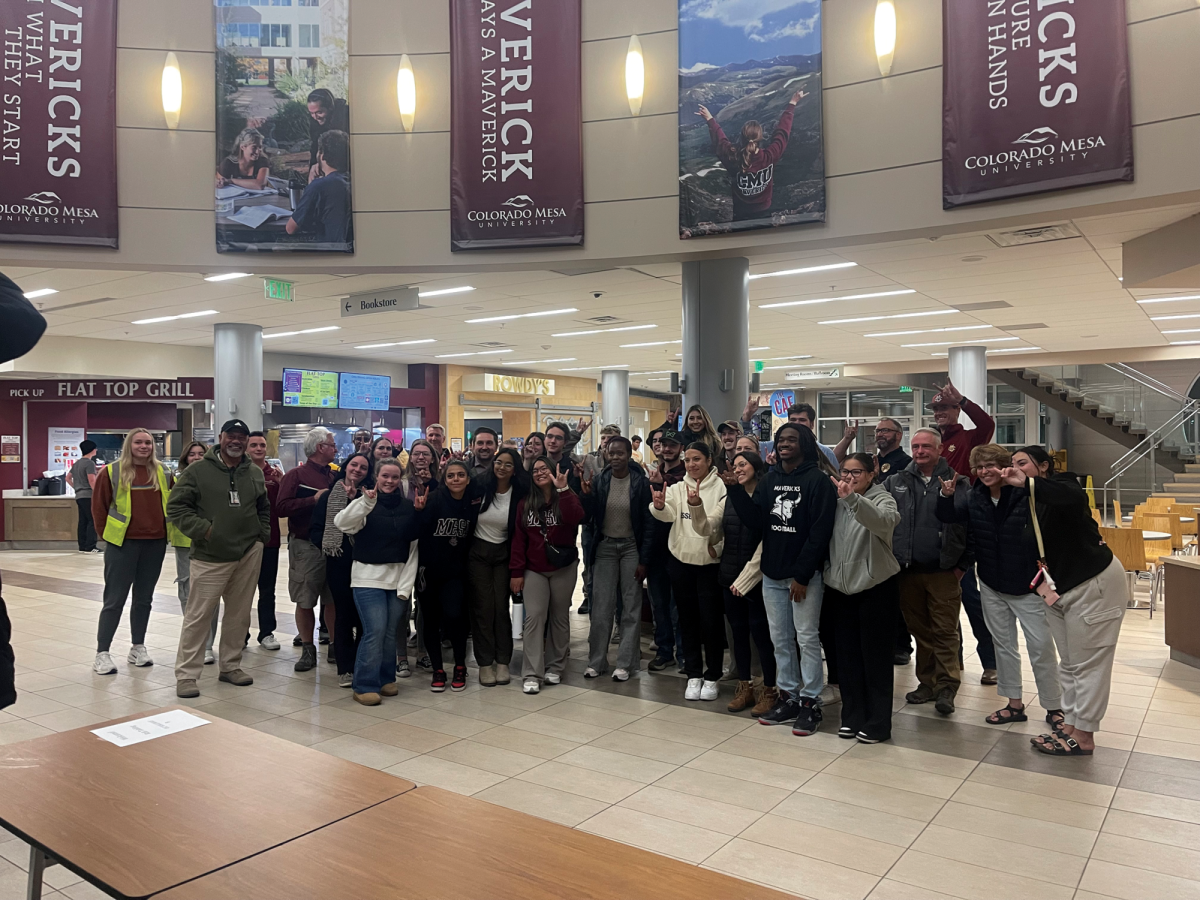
(758, 365)
(905, 389)
(273, 289)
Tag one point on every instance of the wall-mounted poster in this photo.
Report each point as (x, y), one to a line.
(58, 130)
(283, 126)
(1035, 98)
(62, 447)
(516, 114)
(751, 145)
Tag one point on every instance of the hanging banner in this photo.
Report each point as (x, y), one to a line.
(283, 126)
(751, 143)
(516, 142)
(58, 135)
(1035, 97)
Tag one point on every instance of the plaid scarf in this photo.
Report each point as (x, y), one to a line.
(331, 540)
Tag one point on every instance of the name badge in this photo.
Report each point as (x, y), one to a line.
(233, 499)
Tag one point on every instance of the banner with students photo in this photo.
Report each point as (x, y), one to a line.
(58, 130)
(751, 141)
(282, 168)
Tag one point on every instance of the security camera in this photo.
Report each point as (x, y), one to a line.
(597, 294)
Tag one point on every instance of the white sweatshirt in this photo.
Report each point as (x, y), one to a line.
(684, 543)
(398, 577)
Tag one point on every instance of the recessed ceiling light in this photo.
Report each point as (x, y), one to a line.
(834, 299)
(396, 344)
(657, 379)
(594, 368)
(1181, 343)
(305, 331)
(539, 362)
(914, 315)
(44, 292)
(658, 372)
(193, 315)
(786, 358)
(476, 353)
(229, 276)
(442, 291)
(1174, 331)
(880, 334)
(752, 349)
(1170, 299)
(844, 265)
(532, 315)
(603, 330)
(650, 344)
(1174, 318)
(956, 343)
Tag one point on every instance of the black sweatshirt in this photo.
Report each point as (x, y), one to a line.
(794, 511)
(1075, 551)
(445, 528)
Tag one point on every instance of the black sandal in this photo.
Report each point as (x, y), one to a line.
(1014, 715)
(1055, 718)
(1062, 746)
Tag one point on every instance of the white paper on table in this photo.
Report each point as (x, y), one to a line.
(136, 731)
(235, 192)
(254, 216)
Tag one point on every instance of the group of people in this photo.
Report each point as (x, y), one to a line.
(811, 565)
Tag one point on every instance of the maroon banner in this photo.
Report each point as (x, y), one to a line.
(58, 89)
(1035, 97)
(516, 143)
(180, 389)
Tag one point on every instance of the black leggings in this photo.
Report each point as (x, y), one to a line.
(347, 627)
(444, 605)
(701, 623)
(866, 636)
(748, 618)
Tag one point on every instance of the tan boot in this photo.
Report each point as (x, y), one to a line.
(502, 674)
(767, 698)
(487, 675)
(742, 698)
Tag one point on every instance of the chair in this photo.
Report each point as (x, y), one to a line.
(1138, 556)
(1166, 524)
(1096, 516)
(1117, 514)
(1159, 504)
(1186, 511)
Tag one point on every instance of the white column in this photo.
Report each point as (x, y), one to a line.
(237, 370)
(968, 371)
(716, 335)
(614, 399)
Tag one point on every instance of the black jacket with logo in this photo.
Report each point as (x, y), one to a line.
(794, 512)
(891, 463)
(921, 540)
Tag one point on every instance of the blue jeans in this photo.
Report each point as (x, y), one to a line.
(380, 613)
(792, 624)
(662, 604)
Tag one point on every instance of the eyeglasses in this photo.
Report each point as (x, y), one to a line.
(887, 431)
(853, 473)
(982, 467)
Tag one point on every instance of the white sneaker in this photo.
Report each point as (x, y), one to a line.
(346, 680)
(531, 686)
(709, 690)
(139, 657)
(104, 665)
(620, 674)
(589, 672)
(694, 686)
(551, 678)
(402, 669)
(269, 643)
(209, 659)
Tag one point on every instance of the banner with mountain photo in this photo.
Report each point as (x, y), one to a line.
(1035, 98)
(751, 140)
(282, 167)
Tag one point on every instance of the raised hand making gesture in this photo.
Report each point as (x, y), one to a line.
(369, 493)
(560, 479)
(844, 488)
(950, 393)
(693, 495)
(1014, 477)
(659, 494)
(948, 485)
(421, 498)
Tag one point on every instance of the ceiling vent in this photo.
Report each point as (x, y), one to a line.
(1040, 235)
(1027, 327)
(604, 320)
(990, 304)
(492, 344)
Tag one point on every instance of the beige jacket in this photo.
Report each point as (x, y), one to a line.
(684, 543)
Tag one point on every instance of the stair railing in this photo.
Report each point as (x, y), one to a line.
(1146, 447)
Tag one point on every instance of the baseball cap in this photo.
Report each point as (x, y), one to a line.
(940, 400)
(673, 436)
(235, 425)
(729, 425)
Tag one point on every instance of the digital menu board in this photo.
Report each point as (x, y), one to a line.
(306, 388)
(364, 391)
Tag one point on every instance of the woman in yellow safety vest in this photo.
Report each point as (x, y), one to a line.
(129, 505)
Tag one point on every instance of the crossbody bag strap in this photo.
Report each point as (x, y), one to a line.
(1037, 529)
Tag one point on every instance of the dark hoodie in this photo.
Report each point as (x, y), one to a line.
(794, 511)
(445, 528)
(1075, 551)
(199, 506)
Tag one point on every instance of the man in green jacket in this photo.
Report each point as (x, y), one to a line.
(221, 503)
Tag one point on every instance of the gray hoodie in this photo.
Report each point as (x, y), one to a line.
(860, 551)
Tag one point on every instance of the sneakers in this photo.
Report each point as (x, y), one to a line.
(307, 660)
(209, 658)
(709, 690)
(323, 636)
(236, 677)
(808, 718)
(922, 694)
(459, 681)
(531, 686)
(297, 641)
(589, 672)
(185, 688)
(502, 675)
(402, 669)
(390, 690)
(846, 733)
(487, 676)
(767, 698)
(104, 665)
(139, 657)
(661, 663)
(694, 687)
(268, 642)
(864, 738)
(553, 678)
(785, 710)
(743, 697)
(346, 679)
(438, 684)
(620, 674)
(425, 663)
(371, 699)
(945, 701)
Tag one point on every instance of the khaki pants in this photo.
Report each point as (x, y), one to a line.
(931, 602)
(1086, 623)
(547, 602)
(235, 582)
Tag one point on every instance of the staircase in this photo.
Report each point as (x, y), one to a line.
(1186, 486)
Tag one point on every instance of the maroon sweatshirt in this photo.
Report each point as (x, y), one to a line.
(528, 545)
(753, 187)
(957, 442)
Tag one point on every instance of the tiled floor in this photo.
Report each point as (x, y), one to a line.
(951, 808)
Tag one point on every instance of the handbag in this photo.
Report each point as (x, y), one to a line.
(557, 556)
(1043, 583)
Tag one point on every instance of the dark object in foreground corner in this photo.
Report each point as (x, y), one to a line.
(8, 689)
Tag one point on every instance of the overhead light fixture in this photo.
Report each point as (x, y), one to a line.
(885, 35)
(478, 353)
(279, 334)
(1182, 343)
(659, 372)
(44, 292)
(396, 344)
(406, 92)
(228, 276)
(172, 91)
(834, 299)
(594, 368)
(532, 315)
(443, 291)
(635, 75)
(1170, 299)
(880, 334)
(805, 271)
(1174, 318)
(1182, 331)
(752, 349)
(956, 343)
(913, 315)
(539, 362)
(603, 330)
(193, 315)
(650, 344)
(786, 358)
